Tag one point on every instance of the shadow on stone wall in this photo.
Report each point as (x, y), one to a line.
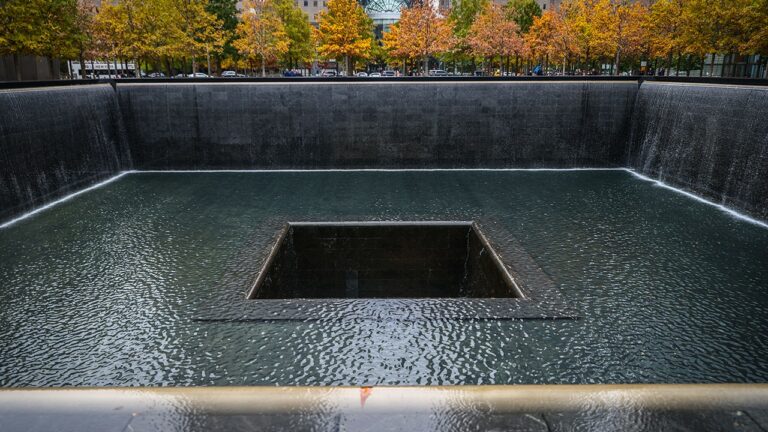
(28, 68)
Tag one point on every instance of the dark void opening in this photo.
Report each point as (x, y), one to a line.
(383, 260)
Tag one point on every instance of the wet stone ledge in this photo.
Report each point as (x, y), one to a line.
(539, 296)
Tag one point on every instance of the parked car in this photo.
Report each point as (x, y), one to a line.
(437, 72)
(156, 75)
(231, 74)
(388, 73)
(375, 75)
(198, 75)
(328, 73)
(361, 74)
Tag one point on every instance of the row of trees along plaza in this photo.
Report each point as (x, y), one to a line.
(580, 36)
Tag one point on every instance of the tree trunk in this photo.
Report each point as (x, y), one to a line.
(81, 59)
(589, 66)
(426, 65)
(618, 60)
(53, 73)
(137, 68)
(263, 65)
(208, 54)
(348, 65)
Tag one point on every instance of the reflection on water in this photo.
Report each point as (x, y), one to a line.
(102, 290)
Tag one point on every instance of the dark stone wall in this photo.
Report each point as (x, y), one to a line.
(709, 139)
(54, 141)
(377, 125)
(30, 67)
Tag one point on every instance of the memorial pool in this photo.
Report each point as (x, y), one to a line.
(106, 289)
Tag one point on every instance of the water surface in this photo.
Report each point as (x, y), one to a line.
(103, 289)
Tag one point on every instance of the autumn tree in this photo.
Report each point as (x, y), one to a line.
(493, 34)
(422, 33)
(135, 29)
(756, 28)
(226, 12)
(628, 35)
(261, 33)
(593, 23)
(107, 33)
(20, 24)
(200, 31)
(344, 30)
(522, 12)
(665, 30)
(551, 35)
(85, 12)
(392, 41)
(299, 33)
(123, 25)
(38, 27)
(462, 15)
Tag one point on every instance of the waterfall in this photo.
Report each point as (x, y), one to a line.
(711, 140)
(364, 124)
(57, 140)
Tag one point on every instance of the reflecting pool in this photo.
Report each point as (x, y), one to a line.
(104, 289)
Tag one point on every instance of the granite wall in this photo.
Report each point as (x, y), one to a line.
(377, 124)
(711, 140)
(708, 139)
(54, 141)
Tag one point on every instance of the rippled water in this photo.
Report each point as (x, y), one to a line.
(103, 289)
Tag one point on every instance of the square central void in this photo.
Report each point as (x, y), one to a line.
(383, 260)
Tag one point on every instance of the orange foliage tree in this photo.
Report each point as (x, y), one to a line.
(628, 36)
(344, 30)
(420, 33)
(665, 30)
(551, 35)
(261, 33)
(493, 34)
(591, 21)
